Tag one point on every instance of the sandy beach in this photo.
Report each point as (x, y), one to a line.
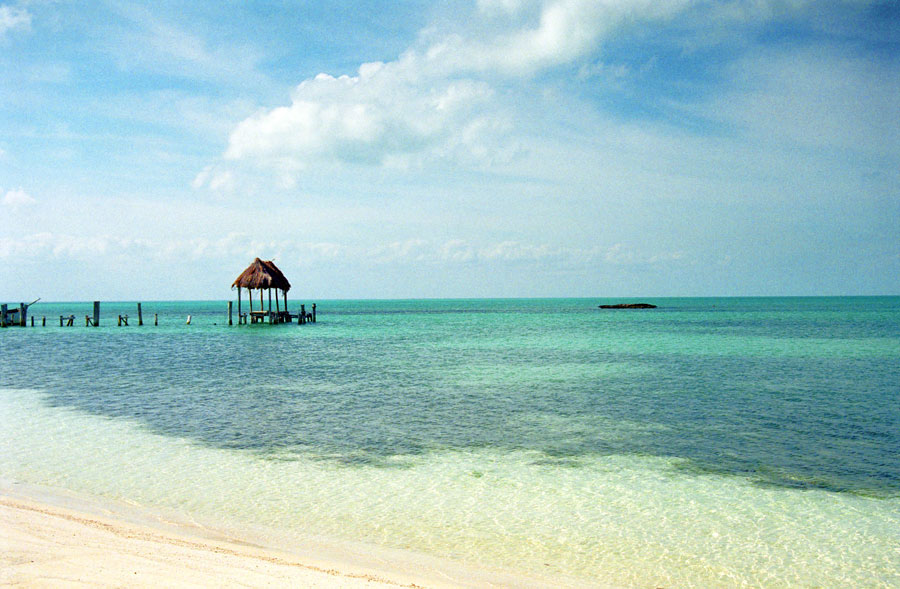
(49, 538)
(46, 546)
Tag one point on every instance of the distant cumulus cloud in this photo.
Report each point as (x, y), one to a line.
(382, 115)
(452, 97)
(564, 31)
(12, 17)
(17, 198)
(439, 99)
(412, 251)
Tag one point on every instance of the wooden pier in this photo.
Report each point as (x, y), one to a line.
(260, 276)
(16, 315)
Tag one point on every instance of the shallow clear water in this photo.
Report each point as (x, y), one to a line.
(707, 442)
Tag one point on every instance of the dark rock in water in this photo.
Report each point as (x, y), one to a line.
(629, 306)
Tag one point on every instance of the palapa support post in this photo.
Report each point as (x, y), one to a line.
(239, 305)
(229, 314)
(140, 316)
(96, 313)
(3, 315)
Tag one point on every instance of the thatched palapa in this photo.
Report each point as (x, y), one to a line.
(263, 275)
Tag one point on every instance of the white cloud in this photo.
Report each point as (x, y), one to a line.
(437, 101)
(456, 250)
(380, 113)
(17, 198)
(216, 179)
(456, 97)
(12, 18)
(565, 30)
(239, 247)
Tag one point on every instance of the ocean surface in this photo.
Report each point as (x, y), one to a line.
(712, 442)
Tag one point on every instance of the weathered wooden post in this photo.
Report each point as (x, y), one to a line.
(155, 319)
(229, 313)
(60, 320)
(140, 316)
(3, 315)
(44, 321)
(23, 309)
(96, 313)
(239, 305)
(32, 320)
(314, 313)
(302, 314)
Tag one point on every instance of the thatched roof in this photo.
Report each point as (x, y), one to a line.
(262, 274)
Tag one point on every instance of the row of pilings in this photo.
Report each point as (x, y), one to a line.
(18, 316)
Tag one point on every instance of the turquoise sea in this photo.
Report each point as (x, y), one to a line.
(712, 442)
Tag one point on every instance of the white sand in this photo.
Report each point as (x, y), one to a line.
(45, 546)
(51, 539)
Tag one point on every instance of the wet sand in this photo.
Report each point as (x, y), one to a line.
(61, 540)
(43, 545)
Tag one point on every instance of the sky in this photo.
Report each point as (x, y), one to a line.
(480, 148)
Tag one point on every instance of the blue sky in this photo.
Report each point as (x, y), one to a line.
(455, 149)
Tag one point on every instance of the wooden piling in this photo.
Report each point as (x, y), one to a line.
(155, 319)
(23, 310)
(44, 321)
(60, 320)
(2, 315)
(230, 322)
(32, 320)
(96, 313)
(302, 314)
(314, 313)
(140, 316)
